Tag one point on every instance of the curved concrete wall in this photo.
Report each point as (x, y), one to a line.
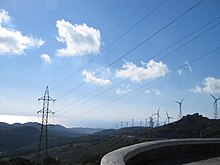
(125, 154)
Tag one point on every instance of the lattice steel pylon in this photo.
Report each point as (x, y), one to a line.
(43, 142)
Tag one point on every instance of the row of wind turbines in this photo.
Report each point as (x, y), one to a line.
(151, 120)
(215, 106)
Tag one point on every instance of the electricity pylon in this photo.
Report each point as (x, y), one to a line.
(43, 143)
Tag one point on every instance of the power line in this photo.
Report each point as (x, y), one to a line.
(157, 55)
(144, 41)
(112, 43)
(140, 70)
(203, 26)
(125, 19)
(142, 86)
(107, 34)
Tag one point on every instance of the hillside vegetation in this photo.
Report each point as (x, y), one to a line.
(90, 149)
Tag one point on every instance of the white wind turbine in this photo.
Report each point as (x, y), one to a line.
(215, 106)
(180, 107)
(168, 118)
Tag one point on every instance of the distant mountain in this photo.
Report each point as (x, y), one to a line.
(90, 149)
(87, 131)
(190, 126)
(132, 131)
(18, 135)
(4, 126)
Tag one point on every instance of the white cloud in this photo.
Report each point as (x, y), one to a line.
(180, 72)
(13, 41)
(185, 69)
(188, 66)
(147, 91)
(154, 91)
(210, 85)
(4, 17)
(79, 39)
(90, 78)
(151, 70)
(46, 58)
(126, 89)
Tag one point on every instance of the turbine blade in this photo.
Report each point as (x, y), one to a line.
(177, 102)
(212, 96)
(182, 100)
(158, 111)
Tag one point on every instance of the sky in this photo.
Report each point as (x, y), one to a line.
(108, 61)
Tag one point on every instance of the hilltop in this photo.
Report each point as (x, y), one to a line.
(190, 126)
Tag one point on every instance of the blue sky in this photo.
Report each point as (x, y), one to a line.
(108, 61)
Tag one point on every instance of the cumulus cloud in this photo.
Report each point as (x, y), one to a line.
(187, 67)
(150, 70)
(4, 17)
(123, 90)
(210, 85)
(90, 78)
(46, 58)
(147, 91)
(154, 91)
(79, 39)
(13, 41)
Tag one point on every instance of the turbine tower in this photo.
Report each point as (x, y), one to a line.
(158, 117)
(127, 122)
(145, 122)
(116, 126)
(132, 122)
(180, 107)
(151, 120)
(141, 122)
(121, 123)
(215, 106)
(168, 118)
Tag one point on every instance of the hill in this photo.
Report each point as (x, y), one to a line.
(19, 135)
(90, 149)
(189, 126)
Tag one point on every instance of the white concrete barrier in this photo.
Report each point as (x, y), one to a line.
(122, 155)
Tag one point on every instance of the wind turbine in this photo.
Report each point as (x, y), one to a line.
(132, 122)
(116, 126)
(168, 118)
(141, 122)
(127, 122)
(151, 120)
(215, 106)
(180, 107)
(158, 117)
(121, 123)
(145, 122)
